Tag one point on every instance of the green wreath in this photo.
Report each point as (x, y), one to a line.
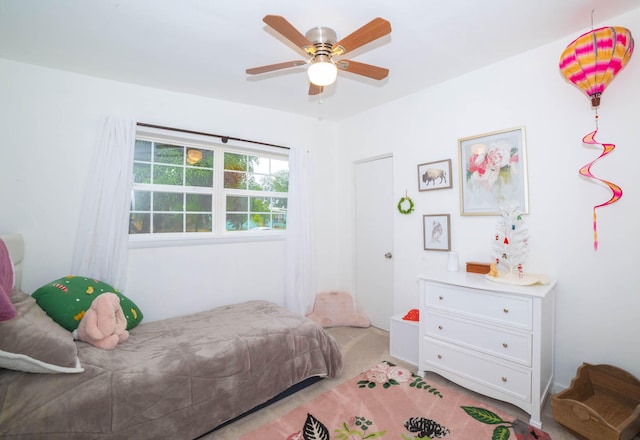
(409, 210)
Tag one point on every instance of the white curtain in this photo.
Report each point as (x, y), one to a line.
(298, 243)
(103, 233)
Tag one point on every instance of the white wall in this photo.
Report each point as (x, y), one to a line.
(598, 294)
(49, 120)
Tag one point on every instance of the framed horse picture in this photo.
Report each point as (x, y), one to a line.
(434, 175)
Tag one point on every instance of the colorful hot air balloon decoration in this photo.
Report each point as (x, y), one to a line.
(591, 62)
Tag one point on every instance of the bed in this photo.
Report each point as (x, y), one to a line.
(177, 378)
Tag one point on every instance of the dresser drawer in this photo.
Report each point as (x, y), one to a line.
(509, 310)
(504, 378)
(511, 345)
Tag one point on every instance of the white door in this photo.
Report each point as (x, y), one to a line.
(374, 239)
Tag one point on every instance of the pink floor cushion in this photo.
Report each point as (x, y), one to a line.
(336, 309)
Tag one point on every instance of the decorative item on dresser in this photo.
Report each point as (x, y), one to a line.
(495, 339)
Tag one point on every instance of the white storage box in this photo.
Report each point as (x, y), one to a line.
(403, 339)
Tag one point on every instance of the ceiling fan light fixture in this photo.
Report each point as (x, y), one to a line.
(321, 44)
(323, 71)
(193, 156)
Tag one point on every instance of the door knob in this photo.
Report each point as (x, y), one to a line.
(388, 255)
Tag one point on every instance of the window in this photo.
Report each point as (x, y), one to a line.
(255, 189)
(199, 188)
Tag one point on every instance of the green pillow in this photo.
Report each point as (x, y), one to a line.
(67, 299)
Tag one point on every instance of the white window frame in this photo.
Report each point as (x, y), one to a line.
(219, 233)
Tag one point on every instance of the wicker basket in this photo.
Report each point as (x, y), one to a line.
(602, 403)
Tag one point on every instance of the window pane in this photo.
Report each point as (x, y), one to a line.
(260, 221)
(259, 182)
(139, 223)
(279, 221)
(167, 175)
(163, 223)
(199, 203)
(141, 201)
(164, 201)
(170, 154)
(278, 166)
(235, 180)
(237, 203)
(141, 172)
(199, 223)
(259, 165)
(142, 151)
(237, 222)
(207, 159)
(260, 204)
(199, 177)
(278, 204)
(236, 162)
(280, 182)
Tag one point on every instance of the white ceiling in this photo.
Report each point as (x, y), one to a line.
(203, 47)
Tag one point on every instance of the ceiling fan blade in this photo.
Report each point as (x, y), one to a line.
(272, 67)
(363, 69)
(376, 28)
(314, 89)
(286, 29)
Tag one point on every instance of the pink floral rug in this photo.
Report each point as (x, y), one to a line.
(391, 402)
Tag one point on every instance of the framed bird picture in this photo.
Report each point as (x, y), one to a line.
(437, 232)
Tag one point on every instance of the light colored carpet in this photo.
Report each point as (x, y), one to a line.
(361, 349)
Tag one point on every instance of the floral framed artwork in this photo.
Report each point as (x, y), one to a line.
(434, 175)
(493, 172)
(437, 232)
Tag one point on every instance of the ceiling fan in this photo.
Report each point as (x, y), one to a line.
(321, 44)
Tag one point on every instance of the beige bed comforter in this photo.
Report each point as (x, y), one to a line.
(173, 379)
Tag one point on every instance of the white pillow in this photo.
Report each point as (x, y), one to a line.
(22, 362)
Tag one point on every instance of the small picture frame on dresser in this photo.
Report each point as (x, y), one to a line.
(437, 232)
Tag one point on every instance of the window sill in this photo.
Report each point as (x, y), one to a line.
(139, 242)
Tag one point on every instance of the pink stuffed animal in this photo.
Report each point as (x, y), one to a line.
(104, 324)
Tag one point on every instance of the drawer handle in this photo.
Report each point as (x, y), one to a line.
(504, 379)
(439, 327)
(441, 297)
(505, 345)
(505, 310)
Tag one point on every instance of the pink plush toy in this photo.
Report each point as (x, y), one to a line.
(104, 324)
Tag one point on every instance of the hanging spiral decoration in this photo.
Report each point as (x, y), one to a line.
(591, 62)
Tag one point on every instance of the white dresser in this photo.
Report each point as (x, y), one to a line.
(493, 338)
